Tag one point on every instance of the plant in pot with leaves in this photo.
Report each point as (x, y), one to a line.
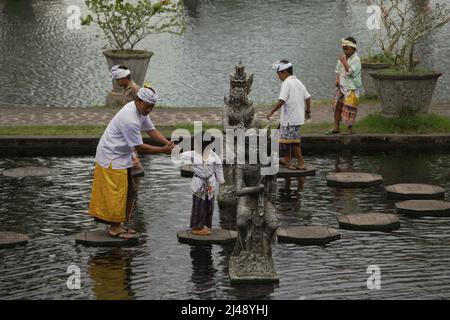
(407, 88)
(125, 24)
(386, 37)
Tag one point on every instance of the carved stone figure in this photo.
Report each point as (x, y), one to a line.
(238, 111)
(256, 222)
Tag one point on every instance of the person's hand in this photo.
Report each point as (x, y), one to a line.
(338, 83)
(167, 149)
(269, 115)
(343, 58)
(210, 189)
(307, 115)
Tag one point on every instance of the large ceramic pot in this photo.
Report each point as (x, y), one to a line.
(405, 94)
(367, 80)
(137, 61)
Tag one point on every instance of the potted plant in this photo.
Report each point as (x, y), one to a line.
(407, 88)
(125, 24)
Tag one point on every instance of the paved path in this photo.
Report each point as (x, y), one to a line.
(21, 115)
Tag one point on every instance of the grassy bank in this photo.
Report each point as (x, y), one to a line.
(373, 123)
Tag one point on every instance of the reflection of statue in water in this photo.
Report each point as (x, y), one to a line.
(256, 222)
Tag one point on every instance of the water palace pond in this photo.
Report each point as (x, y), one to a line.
(52, 209)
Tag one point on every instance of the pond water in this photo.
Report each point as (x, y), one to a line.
(43, 63)
(413, 260)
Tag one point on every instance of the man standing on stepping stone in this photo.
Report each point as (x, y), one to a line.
(295, 103)
(110, 201)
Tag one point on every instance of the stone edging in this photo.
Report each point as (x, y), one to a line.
(82, 146)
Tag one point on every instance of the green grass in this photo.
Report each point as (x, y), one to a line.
(419, 124)
(82, 130)
(373, 123)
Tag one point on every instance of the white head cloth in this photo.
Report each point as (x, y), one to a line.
(147, 95)
(280, 66)
(117, 73)
(346, 43)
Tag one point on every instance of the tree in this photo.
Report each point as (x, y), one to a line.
(125, 24)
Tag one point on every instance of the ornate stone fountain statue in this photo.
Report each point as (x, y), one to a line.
(244, 200)
(256, 221)
(238, 113)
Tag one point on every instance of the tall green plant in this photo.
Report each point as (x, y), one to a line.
(125, 24)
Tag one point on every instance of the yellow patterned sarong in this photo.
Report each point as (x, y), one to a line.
(109, 194)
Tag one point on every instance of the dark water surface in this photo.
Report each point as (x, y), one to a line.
(43, 63)
(413, 260)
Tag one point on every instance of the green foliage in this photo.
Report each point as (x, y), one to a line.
(379, 58)
(125, 24)
(417, 124)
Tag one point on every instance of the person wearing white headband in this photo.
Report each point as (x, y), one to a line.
(348, 86)
(295, 103)
(122, 75)
(113, 195)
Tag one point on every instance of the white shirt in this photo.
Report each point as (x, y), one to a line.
(121, 136)
(209, 170)
(293, 93)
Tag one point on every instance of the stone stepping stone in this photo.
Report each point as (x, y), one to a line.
(369, 222)
(353, 179)
(12, 239)
(414, 191)
(307, 235)
(284, 172)
(422, 208)
(217, 236)
(30, 171)
(100, 238)
(186, 171)
(137, 172)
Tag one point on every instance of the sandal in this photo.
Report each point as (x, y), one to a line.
(130, 231)
(120, 235)
(292, 167)
(331, 132)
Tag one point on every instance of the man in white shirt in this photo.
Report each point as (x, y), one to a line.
(110, 200)
(295, 103)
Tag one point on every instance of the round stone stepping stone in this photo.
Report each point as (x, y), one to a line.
(284, 172)
(100, 238)
(421, 208)
(217, 236)
(22, 172)
(369, 222)
(307, 235)
(12, 239)
(186, 171)
(414, 191)
(353, 179)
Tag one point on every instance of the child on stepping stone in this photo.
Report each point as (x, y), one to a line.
(207, 168)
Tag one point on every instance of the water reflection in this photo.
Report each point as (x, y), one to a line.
(36, 31)
(203, 272)
(52, 209)
(110, 273)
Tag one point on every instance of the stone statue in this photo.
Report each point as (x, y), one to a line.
(238, 111)
(256, 222)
